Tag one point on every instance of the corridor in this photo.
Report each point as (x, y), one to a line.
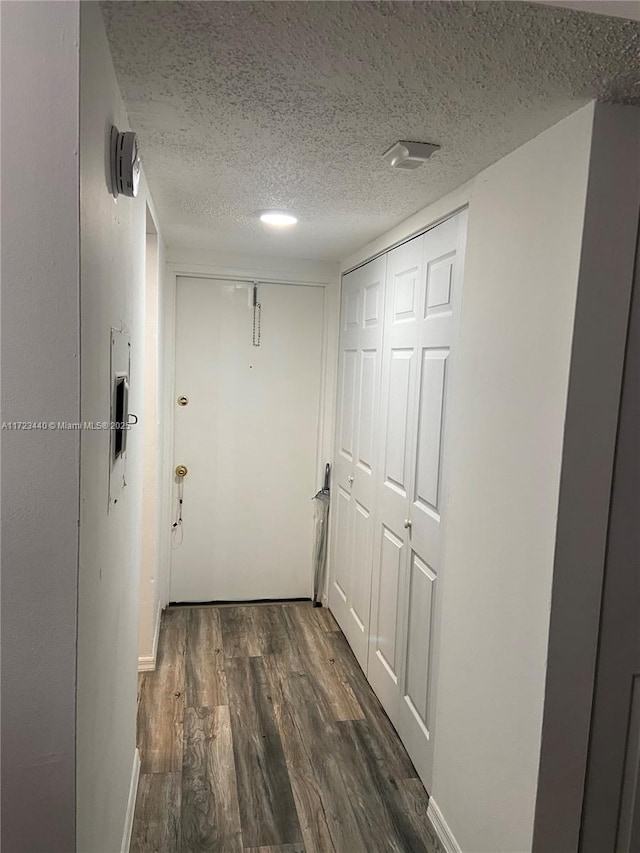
(258, 732)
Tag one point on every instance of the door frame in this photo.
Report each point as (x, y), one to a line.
(613, 752)
(328, 366)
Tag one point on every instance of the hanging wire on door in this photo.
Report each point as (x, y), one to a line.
(257, 316)
(177, 533)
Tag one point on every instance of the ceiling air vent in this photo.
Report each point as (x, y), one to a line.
(409, 155)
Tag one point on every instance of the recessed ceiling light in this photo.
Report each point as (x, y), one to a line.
(278, 217)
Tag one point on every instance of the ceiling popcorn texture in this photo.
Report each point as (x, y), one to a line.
(241, 106)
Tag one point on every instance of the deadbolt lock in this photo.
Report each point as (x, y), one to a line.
(183, 401)
(181, 471)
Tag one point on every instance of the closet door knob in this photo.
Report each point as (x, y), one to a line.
(407, 524)
(350, 479)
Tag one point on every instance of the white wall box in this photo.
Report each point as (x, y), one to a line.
(397, 339)
(120, 370)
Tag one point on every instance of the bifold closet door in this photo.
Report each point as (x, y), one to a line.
(396, 438)
(354, 476)
(424, 283)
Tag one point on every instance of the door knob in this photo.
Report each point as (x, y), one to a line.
(407, 524)
(350, 479)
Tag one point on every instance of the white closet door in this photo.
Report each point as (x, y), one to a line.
(354, 478)
(341, 501)
(424, 280)
(396, 438)
(439, 302)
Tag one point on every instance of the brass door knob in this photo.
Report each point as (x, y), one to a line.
(181, 471)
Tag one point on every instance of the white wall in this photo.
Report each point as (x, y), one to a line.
(40, 382)
(525, 231)
(526, 243)
(112, 290)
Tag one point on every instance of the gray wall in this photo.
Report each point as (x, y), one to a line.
(40, 382)
(613, 745)
(597, 357)
(113, 239)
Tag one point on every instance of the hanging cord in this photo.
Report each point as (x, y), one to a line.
(177, 533)
(257, 316)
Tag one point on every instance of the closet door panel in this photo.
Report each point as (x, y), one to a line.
(386, 638)
(356, 464)
(346, 439)
(422, 586)
(372, 282)
(397, 428)
(427, 474)
(369, 375)
(430, 417)
(347, 405)
(362, 556)
(370, 354)
(343, 543)
(442, 266)
(398, 391)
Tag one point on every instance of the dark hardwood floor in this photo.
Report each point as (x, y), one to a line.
(258, 732)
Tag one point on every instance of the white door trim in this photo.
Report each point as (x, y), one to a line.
(147, 663)
(246, 274)
(131, 803)
(445, 836)
(400, 241)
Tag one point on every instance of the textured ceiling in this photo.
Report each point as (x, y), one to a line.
(241, 106)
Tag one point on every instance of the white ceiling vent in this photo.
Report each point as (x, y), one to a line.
(409, 155)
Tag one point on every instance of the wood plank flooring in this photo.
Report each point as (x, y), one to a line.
(258, 733)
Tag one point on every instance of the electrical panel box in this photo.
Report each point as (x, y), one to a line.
(119, 425)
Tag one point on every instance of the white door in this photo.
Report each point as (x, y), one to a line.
(396, 439)
(424, 284)
(354, 480)
(248, 437)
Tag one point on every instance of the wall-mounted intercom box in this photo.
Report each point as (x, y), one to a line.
(119, 389)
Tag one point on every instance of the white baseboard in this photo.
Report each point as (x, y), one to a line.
(131, 803)
(445, 836)
(147, 663)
